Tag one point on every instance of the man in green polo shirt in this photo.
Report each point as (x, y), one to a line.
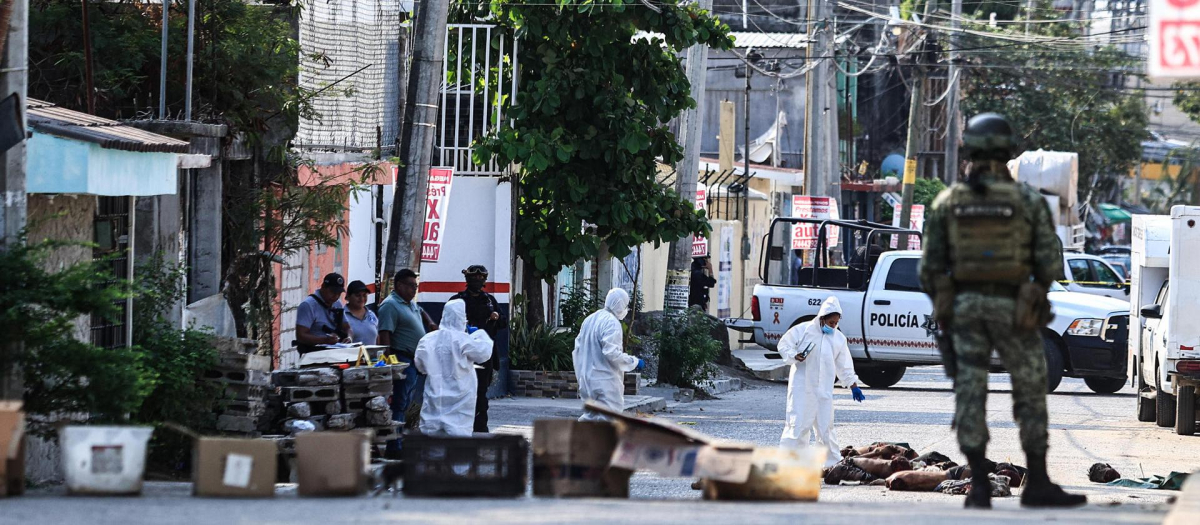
(402, 324)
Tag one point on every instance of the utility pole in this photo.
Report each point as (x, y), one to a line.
(162, 68)
(952, 112)
(405, 228)
(816, 143)
(14, 59)
(915, 109)
(1028, 15)
(686, 173)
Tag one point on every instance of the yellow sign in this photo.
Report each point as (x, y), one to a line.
(910, 171)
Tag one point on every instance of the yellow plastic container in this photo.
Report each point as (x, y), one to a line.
(776, 475)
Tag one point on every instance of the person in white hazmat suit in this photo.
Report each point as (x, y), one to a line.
(818, 352)
(600, 358)
(447, 356)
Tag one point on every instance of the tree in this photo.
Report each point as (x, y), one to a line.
(589, 130)
(1062, 98)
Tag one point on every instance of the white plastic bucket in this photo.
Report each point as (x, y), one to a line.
(104, 460)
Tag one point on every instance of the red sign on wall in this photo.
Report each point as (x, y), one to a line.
(1174, 38)
(437, 202)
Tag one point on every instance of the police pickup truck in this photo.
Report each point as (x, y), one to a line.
(888, 320)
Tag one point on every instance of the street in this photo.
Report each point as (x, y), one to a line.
(1085, 428)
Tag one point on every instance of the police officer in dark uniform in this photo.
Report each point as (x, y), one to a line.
(483, 311)
(990, 255)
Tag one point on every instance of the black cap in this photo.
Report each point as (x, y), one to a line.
(355, 287)
(334, 280)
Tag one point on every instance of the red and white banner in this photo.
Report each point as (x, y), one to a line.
(804, 236)
(700, 244)
(437, 202)
(916, 221)
(1174, 38)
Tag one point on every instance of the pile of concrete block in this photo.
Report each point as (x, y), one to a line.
(244, 380)
(333, 399)
(632, 382)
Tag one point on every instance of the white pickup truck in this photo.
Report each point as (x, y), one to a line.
(1164, 356)
(889, 321)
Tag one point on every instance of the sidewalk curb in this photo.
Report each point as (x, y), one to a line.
(1187, 504)
(722, 386)
(649, 404)
(761, 367)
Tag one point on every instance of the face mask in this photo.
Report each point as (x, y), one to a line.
(827, 330)
(475, 285)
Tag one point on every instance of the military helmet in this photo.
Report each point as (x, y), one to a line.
(989, 137)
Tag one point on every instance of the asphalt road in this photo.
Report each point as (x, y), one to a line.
(1085, 428)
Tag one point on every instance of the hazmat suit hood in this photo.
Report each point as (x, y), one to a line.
(454, 316)
(599, 356)
(617, 303)
(448, 356)
(830, 306)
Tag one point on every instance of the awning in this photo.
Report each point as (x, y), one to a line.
(76, 153)
(1113, 213)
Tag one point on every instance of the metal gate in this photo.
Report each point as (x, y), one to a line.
(480, 80)
(113, 235)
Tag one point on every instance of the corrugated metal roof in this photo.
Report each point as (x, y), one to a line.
(53, 120)
(744, 39)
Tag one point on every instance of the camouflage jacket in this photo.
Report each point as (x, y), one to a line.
(1047, 249)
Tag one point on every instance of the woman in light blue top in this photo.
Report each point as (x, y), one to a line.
(364, 325)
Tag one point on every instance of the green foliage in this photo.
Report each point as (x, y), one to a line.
(1063, 100)
(588, 129)
(686, 348)
(924, 192)
(245, 71)
(63, 375)
(540, 347)
(577, 303)
(175, 358)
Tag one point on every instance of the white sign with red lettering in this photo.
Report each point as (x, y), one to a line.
(1174, 38)
(700, 244)
(437, 201)
(804, 236)
(916, 221)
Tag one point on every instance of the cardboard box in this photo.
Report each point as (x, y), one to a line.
(674, 451)
(333, 463)
(571, 459)
(12, 449)
(232, 467)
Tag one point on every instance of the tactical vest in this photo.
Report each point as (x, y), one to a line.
(990, 239)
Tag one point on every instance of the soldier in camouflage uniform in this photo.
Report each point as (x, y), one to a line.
(990, 255)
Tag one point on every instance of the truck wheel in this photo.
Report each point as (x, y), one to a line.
(881, 376)
(1185, 413)
(1145, 409)
(1164, 405)
(1104, 385)
(1054, 364)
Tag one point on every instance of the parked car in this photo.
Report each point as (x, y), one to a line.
(1090, 274)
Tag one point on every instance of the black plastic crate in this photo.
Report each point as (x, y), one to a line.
(488, 466)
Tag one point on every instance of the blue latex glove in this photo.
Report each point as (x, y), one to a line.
(472, 329)
(641, 365)
(857, 393)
